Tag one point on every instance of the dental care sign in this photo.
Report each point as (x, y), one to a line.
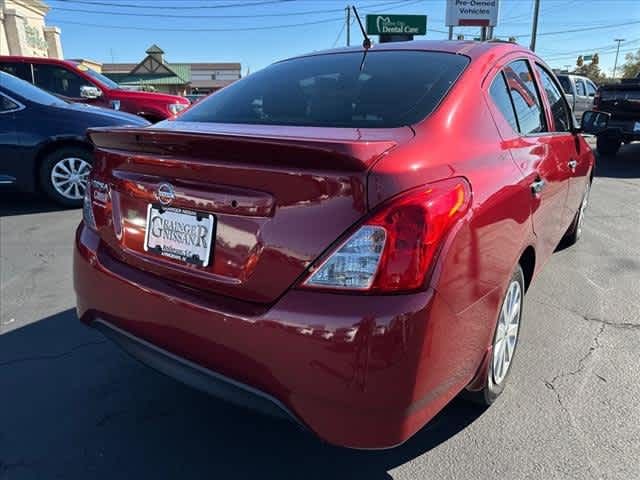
(472, 13)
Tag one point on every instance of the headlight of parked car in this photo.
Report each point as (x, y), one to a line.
(176, 108)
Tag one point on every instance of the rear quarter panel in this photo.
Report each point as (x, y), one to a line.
(462, 139)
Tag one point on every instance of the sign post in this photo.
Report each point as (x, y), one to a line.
(396, 28)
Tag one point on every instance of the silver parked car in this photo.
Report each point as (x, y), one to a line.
(579, 92)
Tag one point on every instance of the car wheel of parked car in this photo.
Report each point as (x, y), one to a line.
(575, 230)
(608, 145)
(64, 174)
(505, 341)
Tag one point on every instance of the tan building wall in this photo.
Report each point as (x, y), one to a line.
(23, 30)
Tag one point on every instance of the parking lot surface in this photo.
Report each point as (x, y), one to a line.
(72, 405)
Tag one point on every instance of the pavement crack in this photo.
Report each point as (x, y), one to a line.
(587, 318)
(551, 384)
(37, 358)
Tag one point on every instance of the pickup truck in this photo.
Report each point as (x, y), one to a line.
(622, 102)
(76, 82)
(579, 91)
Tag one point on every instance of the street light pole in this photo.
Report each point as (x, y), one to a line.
(348, 9)
(534, 27)
(615, 64)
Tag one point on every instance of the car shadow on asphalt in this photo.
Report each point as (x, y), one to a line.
(18, 203)
(75, 406)
(624, 164)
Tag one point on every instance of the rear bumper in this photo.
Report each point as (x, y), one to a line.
(358, 371)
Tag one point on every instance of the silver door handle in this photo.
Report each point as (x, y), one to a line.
(573, 164)
(537, 186)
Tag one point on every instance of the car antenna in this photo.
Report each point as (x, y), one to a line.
(366, 43)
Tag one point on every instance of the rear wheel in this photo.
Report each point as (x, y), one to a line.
(64, 174)
(608, 145)
(505, 341)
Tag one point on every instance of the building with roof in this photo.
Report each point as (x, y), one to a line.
(154, 73)
(23, 31)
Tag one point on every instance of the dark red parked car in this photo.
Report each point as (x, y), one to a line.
(346, 245)
(76, 82)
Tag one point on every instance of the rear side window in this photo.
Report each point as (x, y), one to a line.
(559, 108)
(525, 97)
(580, 88)
(7, 105)
(500, 96)
(591, 89)
(566, 84)
(394, 88)
(17, 69)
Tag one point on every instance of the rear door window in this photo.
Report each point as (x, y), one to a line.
(500, 96)
(524, 95)
(393, 88)
(591, 89)
(17, 69)
(559, 107)
(58, 80)
(580, 88)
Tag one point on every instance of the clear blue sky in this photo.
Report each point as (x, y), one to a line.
(107, 30)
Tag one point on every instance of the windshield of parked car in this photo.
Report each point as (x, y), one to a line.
(98, 76)
(27, 91)
(394, 88)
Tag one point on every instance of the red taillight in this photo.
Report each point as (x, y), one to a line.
(414, 224)
(596, 99)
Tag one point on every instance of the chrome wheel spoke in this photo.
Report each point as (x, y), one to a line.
(506, 335)
(69, 177)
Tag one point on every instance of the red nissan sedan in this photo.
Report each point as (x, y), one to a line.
(339, 238)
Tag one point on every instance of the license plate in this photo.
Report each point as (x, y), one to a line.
(180, 234)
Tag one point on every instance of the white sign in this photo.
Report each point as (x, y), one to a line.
(472, 13)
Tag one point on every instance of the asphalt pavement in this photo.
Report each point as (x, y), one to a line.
(73, 406)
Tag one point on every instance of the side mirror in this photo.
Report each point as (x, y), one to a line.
(594, 122)
(90, 92)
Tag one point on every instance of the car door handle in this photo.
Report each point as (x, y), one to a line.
(572, 164)
(537, 186)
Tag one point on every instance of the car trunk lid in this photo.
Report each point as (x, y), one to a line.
(280, 196)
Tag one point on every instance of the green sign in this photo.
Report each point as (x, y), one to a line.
(396, 24)
(587, 58)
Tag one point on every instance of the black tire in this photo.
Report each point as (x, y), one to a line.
(575, 230)
(608, 145)
(493, 389)
(50, 162)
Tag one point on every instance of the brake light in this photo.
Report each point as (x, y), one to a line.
(596, 99)
(394, 249)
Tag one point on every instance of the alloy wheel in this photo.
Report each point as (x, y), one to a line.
(69, 177)
(506, 337)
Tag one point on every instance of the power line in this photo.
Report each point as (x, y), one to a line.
(197, 17)
(174, 7)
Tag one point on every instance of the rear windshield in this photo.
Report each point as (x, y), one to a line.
(394, 88)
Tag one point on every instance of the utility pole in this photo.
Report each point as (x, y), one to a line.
(348, 10)
(615, 64)
(534, 27)
(450, 33)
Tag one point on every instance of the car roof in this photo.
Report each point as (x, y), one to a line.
(470, 48)
(18, 58)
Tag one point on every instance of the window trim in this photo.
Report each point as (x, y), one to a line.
(556, 82)
(19, 106)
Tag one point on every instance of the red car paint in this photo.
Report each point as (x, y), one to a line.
(152, 106)
(363, 370)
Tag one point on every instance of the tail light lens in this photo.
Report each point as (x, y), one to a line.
(596, 99)
(394, 249)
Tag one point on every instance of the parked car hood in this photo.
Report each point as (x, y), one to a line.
(113, 116)
(148, 96)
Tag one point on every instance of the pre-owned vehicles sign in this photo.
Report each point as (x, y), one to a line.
(396, 24)
(481, 13)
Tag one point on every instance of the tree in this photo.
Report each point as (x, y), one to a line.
(631, 66)
(591, 70)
